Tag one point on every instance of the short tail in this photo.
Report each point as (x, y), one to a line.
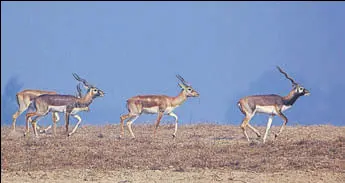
(127, 105)
(240, 106)
(17, 99)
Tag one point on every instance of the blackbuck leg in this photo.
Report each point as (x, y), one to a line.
(255, 130)
(14, 117)
(129, 124)
(244, 124)
(67, 120)
(77, 125)
(56, 118)
(34, 121)
(269, 123)
(27, 127)
(27, 121)
(122, 120)
(280, 114)
(21, 109)
(159, 117)
(176, 118)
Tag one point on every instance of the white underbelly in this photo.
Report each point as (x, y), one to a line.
(63, 109)
(154, 110)
(270, 109)
(266, 109)
(57, 108)
(150, 110)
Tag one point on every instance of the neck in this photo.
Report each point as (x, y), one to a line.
(85, 101)
(179, 99)
(291, 98)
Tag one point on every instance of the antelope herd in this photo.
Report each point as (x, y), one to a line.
(39, 103)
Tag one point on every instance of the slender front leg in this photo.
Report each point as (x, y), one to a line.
(29, 120)
(56, 118)
(34, 123)
(67, 120)
(122, 120)
(77, 125)
(159, 117)
(269, 123)
(129, 124)
(283, 125)
(176, 118)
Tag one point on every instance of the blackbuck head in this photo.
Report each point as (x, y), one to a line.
(94, 91)
(187, 88)
(298, 89)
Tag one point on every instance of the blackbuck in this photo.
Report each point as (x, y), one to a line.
(67, 104)
(24, 99)
(270, 104)
(156, 104)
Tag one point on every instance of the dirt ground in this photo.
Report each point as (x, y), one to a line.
(199, 153)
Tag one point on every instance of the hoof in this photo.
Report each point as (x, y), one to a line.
(174, 136)
(253, 143)
(69, 135)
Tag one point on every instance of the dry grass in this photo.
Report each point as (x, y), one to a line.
(197, 147)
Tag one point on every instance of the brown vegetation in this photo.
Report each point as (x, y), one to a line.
(202, 147)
